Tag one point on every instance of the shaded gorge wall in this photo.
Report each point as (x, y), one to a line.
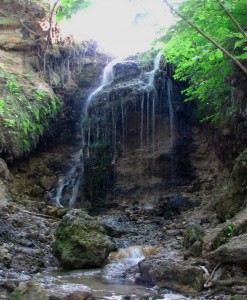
(137, 134)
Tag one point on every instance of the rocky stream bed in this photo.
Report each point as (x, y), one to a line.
(174, 248)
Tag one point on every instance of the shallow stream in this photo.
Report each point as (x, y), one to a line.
(114, 281)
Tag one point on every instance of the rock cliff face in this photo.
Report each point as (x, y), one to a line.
(27, 102)
(231, 140)
(43, 86)
(155, 156)
(43, 90)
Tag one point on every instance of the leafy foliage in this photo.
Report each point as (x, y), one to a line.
(24, 112)
(69, 7)
(199, 62)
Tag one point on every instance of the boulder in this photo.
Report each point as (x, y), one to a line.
(193, 239)
(69, 292)
(47, 182)
(115, 227)
(29, 290)
(81, 242)
(172, 273)
(192, 234)
(234, 251)
(229, 204)
(224, 232)
(126, 70)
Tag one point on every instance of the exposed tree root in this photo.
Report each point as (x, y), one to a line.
(39, 215)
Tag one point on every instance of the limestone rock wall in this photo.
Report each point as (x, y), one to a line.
(158, 164)
(43, 86)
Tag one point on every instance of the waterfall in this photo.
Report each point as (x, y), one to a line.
(152, 96)
(107, 78)
(107, 119)
(171, 110)
(70, 184)
(134, 253)
(169, 87)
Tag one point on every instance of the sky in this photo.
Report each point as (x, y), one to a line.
(121, 27)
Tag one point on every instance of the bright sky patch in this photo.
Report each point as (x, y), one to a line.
(121, 27)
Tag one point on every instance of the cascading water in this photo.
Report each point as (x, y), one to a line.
(169, 88)
(69, 185)
(151, 97)
(171, 110)
(107, 78)
(112, 108)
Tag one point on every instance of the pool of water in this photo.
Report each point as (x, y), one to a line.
(114, 281)
(104, 287)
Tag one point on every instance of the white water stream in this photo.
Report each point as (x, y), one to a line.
(107, 78)
(110, 282)
(151, 97)
(70, 183)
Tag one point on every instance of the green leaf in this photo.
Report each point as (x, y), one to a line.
(199, 62)
(219, 53)
(211, 56)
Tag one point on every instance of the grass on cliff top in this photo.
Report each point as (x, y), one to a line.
(25, 111)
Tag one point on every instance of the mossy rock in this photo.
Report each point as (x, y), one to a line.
(193, 233)
(29, 290)
(229, 204)
(81, 242)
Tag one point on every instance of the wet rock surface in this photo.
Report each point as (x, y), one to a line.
(69, 292)
(26, 241)
(81, 242)
(172, 274)
(233, 251)
(30, 290)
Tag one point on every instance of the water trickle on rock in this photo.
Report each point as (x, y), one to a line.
(171, 121)
(107, 79)
(67, 191)
(129, 100)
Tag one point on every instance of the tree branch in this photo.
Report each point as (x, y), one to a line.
(232, 18)
(50, 21)
(212, 41)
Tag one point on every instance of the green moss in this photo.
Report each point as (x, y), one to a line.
(192, 234)
(99, 174)
(16, 294)
(25, 112)
(228, 233)
(146, 58)
(81, 242)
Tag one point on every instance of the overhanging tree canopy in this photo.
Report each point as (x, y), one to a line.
(205, 56)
